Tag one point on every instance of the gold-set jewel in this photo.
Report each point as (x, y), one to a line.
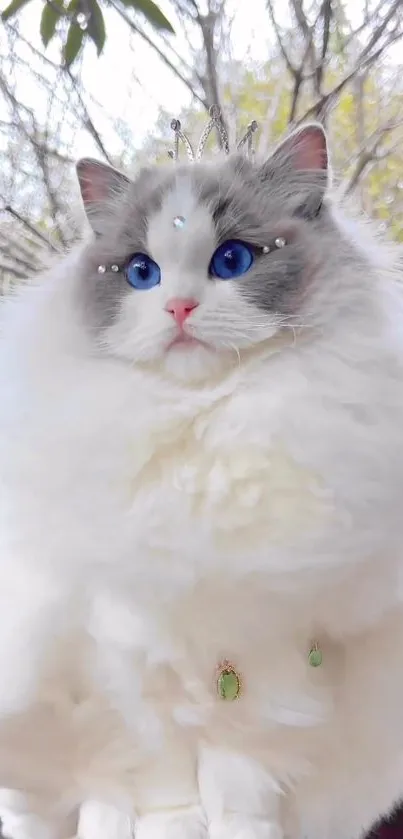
(315, 656)
(228, 681)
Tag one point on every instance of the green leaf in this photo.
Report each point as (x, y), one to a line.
(96, 26)
(73, 44)
(13, 8)
(151, 12)
(49, 19)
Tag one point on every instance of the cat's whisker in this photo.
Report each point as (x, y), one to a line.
(295, 325)
(235, 333)
(288, 320)
(234, 323)
(234, 348)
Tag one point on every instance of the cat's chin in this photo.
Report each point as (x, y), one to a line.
(193, 361)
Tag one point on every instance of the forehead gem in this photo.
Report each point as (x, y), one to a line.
(179, 222)
(280, 242)
(101, 269)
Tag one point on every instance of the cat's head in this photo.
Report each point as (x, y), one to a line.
(205, 261)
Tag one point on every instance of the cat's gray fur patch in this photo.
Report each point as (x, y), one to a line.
(257, 205)
(121, 229)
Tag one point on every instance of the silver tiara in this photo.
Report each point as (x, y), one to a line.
(215, 122)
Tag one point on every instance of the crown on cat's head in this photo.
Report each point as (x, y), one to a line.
(215, 122)
(301, 161)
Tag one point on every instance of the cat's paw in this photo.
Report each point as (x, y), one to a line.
(25, 826)
(98, 820)
(181, 823)
(244, 827)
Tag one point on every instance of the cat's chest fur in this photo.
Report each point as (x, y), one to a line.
(164, 492)
(156, 492)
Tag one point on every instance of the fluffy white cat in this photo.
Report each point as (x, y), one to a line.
(201, 462)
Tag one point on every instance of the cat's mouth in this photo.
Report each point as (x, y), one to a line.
(183, 339)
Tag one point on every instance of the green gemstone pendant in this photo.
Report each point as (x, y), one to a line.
(229, 683)
(315, 657)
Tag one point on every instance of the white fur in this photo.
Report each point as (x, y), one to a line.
(161, 515)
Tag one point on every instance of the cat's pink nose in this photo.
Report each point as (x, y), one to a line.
(180, 308)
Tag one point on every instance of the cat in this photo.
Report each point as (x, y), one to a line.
(201, 474)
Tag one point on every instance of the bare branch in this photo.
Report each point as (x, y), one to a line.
(306, 32)
(370, 151)
(31, 227)
(294, 98)
(207, 25)
(88, 123)
(22, 264)
(318, 109)
(290, 67)
(326, 13)
(11, 270)
(38, 149)
(378, 32)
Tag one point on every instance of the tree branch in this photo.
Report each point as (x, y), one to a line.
(31, 227)
(290, 67)
(377, 34)
(317, 110)
(326, 13)
(88, 123)
(8, 269)
(370, 152)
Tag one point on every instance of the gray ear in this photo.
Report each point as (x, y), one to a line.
(302, 161)
(100, 186)
(305, 149)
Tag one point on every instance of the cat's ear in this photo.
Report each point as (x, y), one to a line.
(100, 186)
(302, 160)
(305, 149)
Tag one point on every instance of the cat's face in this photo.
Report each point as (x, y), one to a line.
(204, 261)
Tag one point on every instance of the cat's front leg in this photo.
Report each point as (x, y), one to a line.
(19, 821)
(175, 823)
(240, 799)
(232, 798)
(27, 826)
(100, 820)
(168, 796)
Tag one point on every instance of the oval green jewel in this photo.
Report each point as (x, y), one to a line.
(315, 657)
(229, 684)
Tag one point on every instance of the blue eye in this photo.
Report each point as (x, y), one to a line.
(231, 259)
(142, 272)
